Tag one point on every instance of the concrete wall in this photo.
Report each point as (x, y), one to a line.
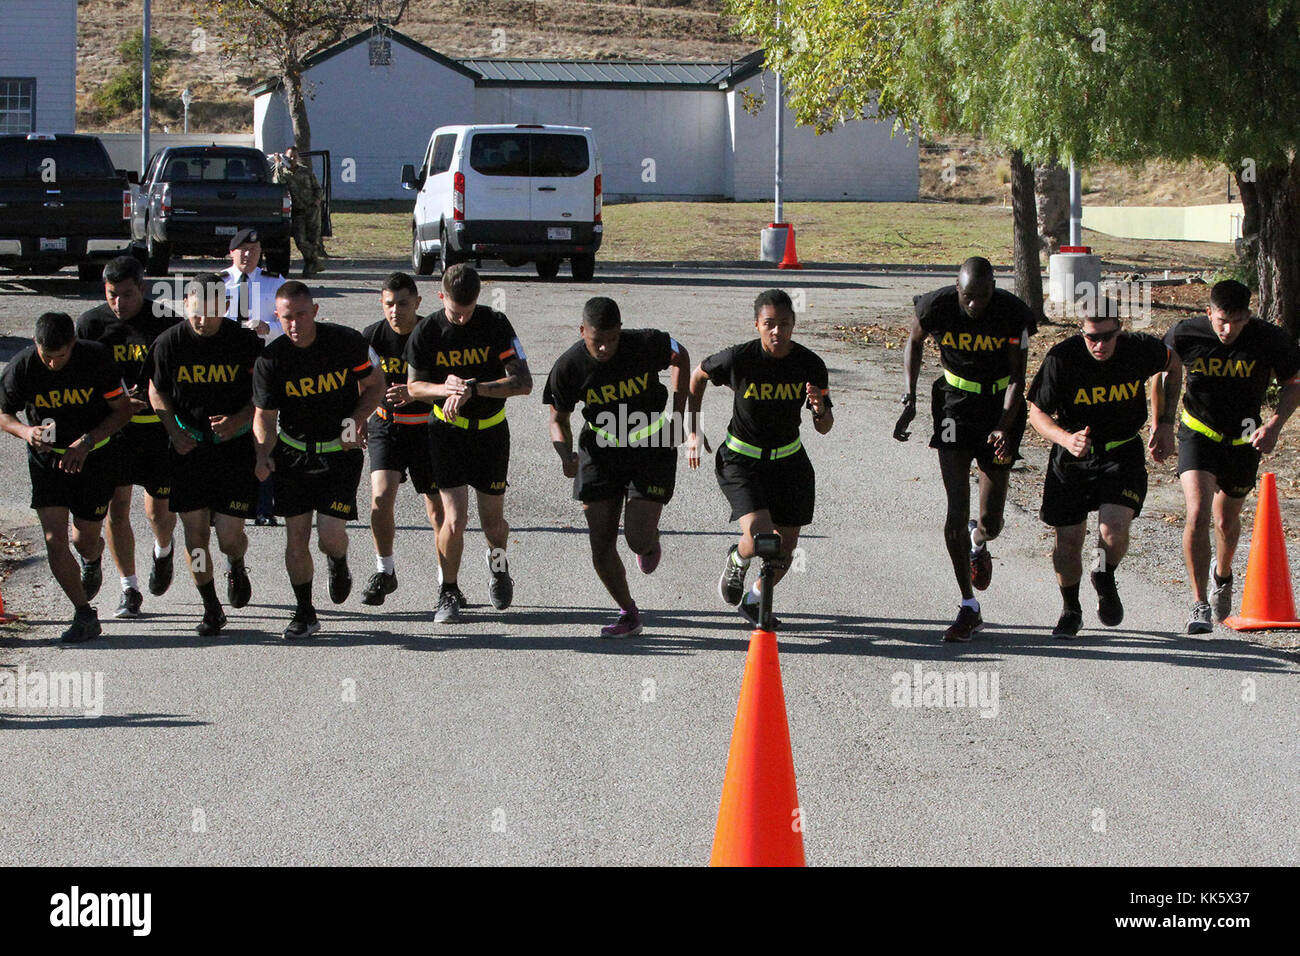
(39, 40)
(375, 117)
(682, 133)
(124, 148)
(1220, 222)
(856, 161)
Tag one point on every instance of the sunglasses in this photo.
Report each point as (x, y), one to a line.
(1099, 337)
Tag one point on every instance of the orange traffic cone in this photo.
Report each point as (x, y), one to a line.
(1266, 603)
(791, 260)
(5, 616)
(759, 821)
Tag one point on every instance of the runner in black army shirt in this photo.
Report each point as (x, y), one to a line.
(978, 409)
(1230, 360)
(397, 434)
(627, 448)
(762, 467)
(128, 323)
(74, 399)
(466, 360)
(1088, 400)
(319, 384)
(201, 382)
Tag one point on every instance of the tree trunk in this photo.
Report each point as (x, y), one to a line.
(1278, 189)
(1247, 247)
(1024, 213)
(297, 109)
(1052, 194)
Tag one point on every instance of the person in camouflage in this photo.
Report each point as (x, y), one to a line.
(307, 195)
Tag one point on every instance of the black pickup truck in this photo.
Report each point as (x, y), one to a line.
(61, 203)
(192, 199)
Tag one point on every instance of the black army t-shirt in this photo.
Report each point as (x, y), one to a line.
(391, 349)
(315, 388)
(770, 392)
(975, 349)
(1108, 397)
(479, 349)
(1226, 383)
(129, 340)
(623, 394)
(205, 375)
(75, 398)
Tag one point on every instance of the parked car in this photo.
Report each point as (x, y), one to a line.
(518, 193)
(61, 203)
(193, 199)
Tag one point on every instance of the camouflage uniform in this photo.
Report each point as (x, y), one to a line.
(307, 195)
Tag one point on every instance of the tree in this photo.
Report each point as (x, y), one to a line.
(123, 92)
(286, 32)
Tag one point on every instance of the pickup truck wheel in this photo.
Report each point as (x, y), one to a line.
(548, 268)
(157, 257)
(90, 271)
(277, 260)
(421, 264)
(446, 258)
(584, 267)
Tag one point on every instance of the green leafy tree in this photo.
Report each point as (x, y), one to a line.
(124, 90)
(287, 32)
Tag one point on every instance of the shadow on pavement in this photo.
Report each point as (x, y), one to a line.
(28, 721)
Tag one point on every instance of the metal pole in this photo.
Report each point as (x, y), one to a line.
(144, 107)
(765, 598)
(780, 151)
(1076, 205)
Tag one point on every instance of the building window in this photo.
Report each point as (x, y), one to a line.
(17, 105)
(381, 52)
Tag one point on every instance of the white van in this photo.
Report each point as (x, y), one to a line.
(518, 193)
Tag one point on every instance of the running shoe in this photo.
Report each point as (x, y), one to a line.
(648, 562)
(129, 606)
(92, 576)
(302, 625)
(239, 590)
(731, 586)
(85, 626)
(627, 625)
(981, 565)
(1221, 597)
(968, 622)
(1110, 611)
(1199, 622)
(1068, 624)
(380, 585)
(340, 580)
(160, 578)
(450, 601)
(501, 589)
(214, 619)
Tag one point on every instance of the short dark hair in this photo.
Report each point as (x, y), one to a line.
(1230, 295)
(208, 286)
(400, 282)
(291, 289)
(773, 297)
(123, 267)
(600, 314)
(54, 330)
(975, 271)
(461, 283)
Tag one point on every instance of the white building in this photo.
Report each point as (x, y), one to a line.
(665, 130)
(38, 66)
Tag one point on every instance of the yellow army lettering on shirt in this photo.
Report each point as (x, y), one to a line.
(207, 374)
(627, 388)
(774, 391)
(130, 352)
(1222, 368)
(456, 357)
(976, 342)
(394, 365)
(310, 385)
(64, 396)
(1101, 394)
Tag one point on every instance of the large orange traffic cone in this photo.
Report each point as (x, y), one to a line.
(791, 260)
(1266, 603)
(759, 821)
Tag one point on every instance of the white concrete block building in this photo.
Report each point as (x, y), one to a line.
(38, 66)
(665, 130)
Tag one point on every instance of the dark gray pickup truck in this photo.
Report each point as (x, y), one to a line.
(192, 199)
(61, 203)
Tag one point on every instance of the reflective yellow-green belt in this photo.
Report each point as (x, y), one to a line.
(98, 445)
(201, 436)
(640, 435)
(1196, 425)
(976, 388)
(1115, 444)
(316, 446)
(146, 418)
(461, 421)
(753, 451)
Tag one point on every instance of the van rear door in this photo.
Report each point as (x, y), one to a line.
(497, 181)
(561, 187)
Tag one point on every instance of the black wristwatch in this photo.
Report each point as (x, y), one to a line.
(473, 386)
(909, 398)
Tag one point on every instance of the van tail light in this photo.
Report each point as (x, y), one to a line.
(598, 201)
(126, 204)
(165, 203)
(286, 204)
(458, 198)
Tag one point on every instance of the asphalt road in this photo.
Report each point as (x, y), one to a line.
(520, 737)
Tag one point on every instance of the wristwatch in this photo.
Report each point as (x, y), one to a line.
(473, 386)
(909, 398)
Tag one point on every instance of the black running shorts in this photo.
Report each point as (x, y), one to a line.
(1235, 467)
(404, 449)
(962, 422)
(324, 482)
(86, 494)
(141, 452)
(1074, 487)
(216, 476)
(477, 457)
(785, 488)
(640, 474)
